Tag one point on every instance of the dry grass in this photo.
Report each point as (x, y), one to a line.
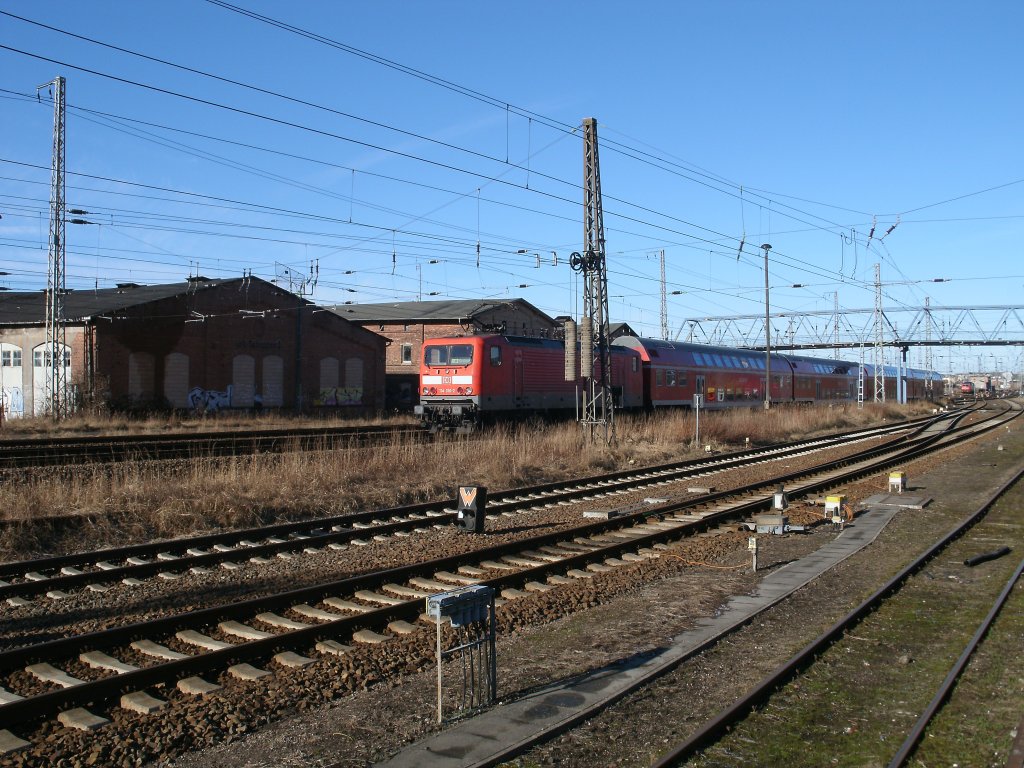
(104, 423)
(147, 500)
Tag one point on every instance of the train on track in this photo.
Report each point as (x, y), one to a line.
(468, 380)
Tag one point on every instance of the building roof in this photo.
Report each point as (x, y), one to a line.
(29, 307)
(429, 311)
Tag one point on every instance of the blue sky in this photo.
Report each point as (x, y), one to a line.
(794, 123)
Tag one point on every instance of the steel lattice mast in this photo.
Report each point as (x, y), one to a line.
(879, 349)
(598, 410)
(664, 300)
(56, 343)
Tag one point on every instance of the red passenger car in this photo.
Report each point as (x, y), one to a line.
(818, 380)
(675, 371)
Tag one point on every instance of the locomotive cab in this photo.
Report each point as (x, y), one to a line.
(450, 383)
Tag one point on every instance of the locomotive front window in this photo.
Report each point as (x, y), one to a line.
(439, 355)
(460, 354)
(495, 356)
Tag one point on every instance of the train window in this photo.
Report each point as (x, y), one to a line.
(635, 364)
(435, 356)
(495, 356)
(700, 385)
(718, 361)
(670, 378)
(681, 378)
(735, 361)
(461, 354)
(659, 377)
(698, 357)
(745, 363)
(448, 354)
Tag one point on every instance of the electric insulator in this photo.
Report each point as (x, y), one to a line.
(586, 348)
(570, 350)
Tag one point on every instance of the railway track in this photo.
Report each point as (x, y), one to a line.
(55, 577)
(184, 650)
(25, 453)
(730, 717)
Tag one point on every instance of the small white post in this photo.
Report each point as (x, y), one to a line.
(697, 401)
(440, 710)
(752, 546)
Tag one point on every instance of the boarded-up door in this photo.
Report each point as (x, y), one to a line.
(141, 367)
(243, 378)
(176, 379)
(273, 381)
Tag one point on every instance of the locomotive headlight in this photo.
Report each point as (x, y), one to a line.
(461, 391)
(432, 391)
(426, 391)
(469, 390)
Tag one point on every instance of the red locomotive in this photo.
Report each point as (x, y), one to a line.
(466, 380)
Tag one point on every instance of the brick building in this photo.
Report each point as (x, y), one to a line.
(241, 343)
(406, 325)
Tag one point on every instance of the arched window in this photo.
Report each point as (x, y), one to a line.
(12, 374)
(41, 372)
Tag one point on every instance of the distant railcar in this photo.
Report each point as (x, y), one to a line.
(727, 378)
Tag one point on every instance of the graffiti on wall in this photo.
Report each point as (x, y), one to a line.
(12, 402)
(209, 400)
(339, 396)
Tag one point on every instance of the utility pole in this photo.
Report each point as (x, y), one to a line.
(598, 408)
(835, 310)
(300, 286)
(767, 335)
(879, 348)
(928, 339)
(56, 338)
(664, 301)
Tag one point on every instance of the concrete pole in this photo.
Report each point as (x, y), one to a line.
(767, 336)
